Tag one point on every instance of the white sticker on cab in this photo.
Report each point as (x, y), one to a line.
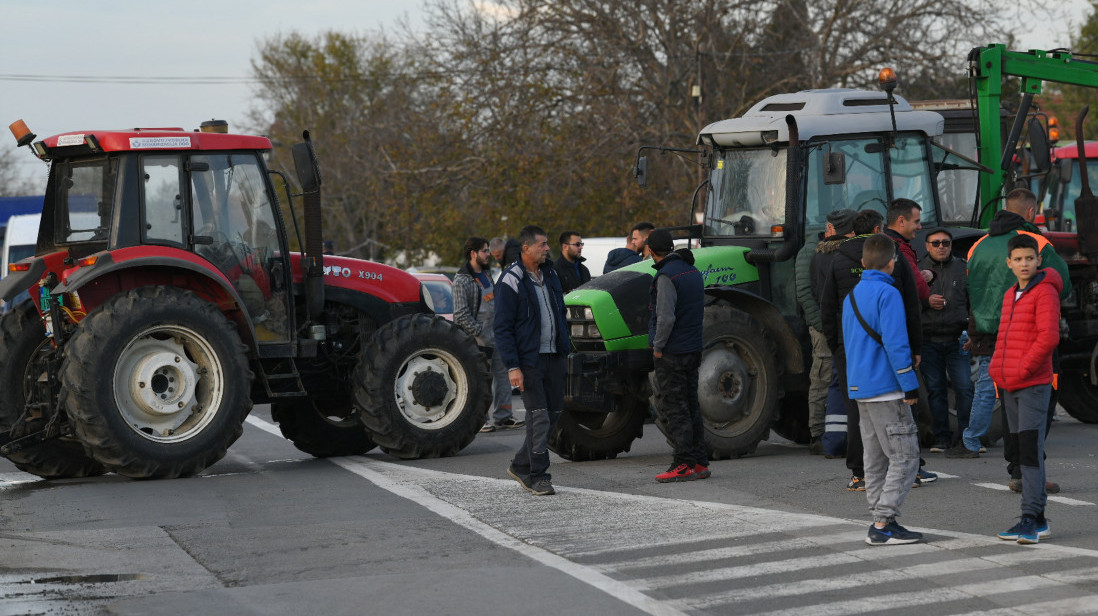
(138, 143)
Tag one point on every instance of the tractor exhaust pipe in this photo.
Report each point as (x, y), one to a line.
(308, 174)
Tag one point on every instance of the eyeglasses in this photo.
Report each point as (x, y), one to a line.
(574, 244)
(937, 243)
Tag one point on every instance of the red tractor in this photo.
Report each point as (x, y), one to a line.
(165, 302)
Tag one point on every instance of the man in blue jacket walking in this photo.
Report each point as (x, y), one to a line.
(533, 344)
(881, 379)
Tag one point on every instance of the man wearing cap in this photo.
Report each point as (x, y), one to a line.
(677, 300)
(840, 225)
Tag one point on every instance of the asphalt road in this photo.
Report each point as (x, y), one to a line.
(269, 530)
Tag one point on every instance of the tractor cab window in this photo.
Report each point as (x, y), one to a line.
(868, 164)
(958, 176)
(747, 192)
(234, 229)
(83, 194)
(163, 204)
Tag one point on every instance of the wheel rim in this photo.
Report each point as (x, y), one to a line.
(169, 383)
(431, 389)
(729, 385)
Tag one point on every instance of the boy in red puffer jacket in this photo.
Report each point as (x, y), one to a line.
(1021, 367)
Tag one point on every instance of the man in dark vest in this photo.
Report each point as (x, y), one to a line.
(675, 335)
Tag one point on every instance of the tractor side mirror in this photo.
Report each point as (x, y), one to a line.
(640, 171)
(835, 168)
(1038, 146)
(1067, 166)
(308, 169)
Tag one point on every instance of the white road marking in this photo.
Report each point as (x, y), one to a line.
(1052, 497)
(15, 478)
(418, 495)
(615, 534)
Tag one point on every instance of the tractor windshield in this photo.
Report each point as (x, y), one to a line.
(747, 192)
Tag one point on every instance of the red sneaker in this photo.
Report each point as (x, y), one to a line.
(702, 472)
(677, 472)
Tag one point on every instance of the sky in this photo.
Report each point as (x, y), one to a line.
(65, 64)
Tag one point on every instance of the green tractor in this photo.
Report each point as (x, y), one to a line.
(773, 176)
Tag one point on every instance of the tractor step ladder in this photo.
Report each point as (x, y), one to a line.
(288, 384)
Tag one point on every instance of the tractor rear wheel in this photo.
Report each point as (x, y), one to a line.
(422, 387)
(24, 350)
(158, 383)
(322, 428)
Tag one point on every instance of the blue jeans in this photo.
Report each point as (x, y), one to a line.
(501, 392)
(983, 404)
(543, 397)
(942, 359)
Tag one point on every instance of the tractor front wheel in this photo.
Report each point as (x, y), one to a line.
(422, 387)
(158, 383)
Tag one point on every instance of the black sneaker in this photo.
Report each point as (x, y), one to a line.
(857, 484)
(891, 534)
(960, 451)
(542, 487)
(488, 427)
(510, 424)
(939, 447)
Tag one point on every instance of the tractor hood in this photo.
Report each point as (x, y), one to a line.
(619, 300)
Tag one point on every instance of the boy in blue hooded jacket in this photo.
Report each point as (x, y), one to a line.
(881, 379)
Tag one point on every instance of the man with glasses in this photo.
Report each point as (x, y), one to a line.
(945, 319)
(569, 266)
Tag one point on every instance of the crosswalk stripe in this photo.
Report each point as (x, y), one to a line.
(650, 550)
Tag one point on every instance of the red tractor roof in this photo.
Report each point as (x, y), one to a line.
(1072, 151)
(159, 139)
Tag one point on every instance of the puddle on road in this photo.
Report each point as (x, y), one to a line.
(100, 578)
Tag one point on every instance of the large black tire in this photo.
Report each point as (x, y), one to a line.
(158, 383)
(322, 428)
(737, 382)
(422, 388)
(23, 360)
(326, 423)
(580, 436)
(1078, 397)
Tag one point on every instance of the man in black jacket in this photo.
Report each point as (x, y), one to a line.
(677, 302)
(945, 318)
(570, 268)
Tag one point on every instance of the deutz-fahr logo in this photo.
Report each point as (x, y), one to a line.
(345, 272)
(718, 275)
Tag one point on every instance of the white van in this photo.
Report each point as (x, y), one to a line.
(20, 240)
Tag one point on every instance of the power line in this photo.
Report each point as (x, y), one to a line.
(124, 79)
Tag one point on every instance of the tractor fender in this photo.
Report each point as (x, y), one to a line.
(791, 355)
(377, 308)
(120, 270)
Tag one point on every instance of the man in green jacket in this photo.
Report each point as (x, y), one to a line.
(988, 279)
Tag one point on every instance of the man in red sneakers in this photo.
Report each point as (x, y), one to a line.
(675, 335)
